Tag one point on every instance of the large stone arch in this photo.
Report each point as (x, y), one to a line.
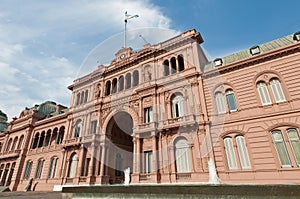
(126, 109)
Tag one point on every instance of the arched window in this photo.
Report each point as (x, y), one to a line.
(277, 90)
(78, 128)
(294, 139)
(180, 63)
(230, 154)
(53, 167)
(35, 140)
(39, 169)
(6, 170)
(166, 68)
(86, 95)
(178, 108)
(11, 172)
(128, 81)
(9, 144)
(41, 140)
(47, 139)
(173, 65)
(263, 93)
(220, 102)
(121, 83)
(114, 85)
(182, 155)
(1, 170)
(107, 90)
(61, 135)
(231, 103)
(243, 152)
(281, 149)
(72, 166)
(27, 170)
(14, 145)
(119, 162)
(135, 78)
(20, 142)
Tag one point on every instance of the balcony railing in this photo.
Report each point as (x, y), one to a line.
(178, 121)
(72, 141)
(146, 127)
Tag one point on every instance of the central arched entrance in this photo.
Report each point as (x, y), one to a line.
(119, 134)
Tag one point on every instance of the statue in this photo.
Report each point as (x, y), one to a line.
(127, 176)
(213, 176)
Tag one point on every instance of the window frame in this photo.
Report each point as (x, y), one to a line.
(178, 108)
(277, 90)
(148, 114)
(182, 155)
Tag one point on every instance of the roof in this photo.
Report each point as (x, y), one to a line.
(272, 45)
(3, 116)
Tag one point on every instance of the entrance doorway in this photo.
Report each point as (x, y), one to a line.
(119, 132)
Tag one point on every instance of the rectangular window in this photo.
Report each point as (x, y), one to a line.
(220, 103)
(148, 115)
(39, 169)
(94, 127)
(148, 162)
(27, 170)
(231, 101)
(281, 148)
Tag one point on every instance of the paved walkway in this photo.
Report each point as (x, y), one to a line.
(31, 195)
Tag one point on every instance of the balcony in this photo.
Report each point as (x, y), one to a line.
(10, 154)
(45, 148)
(146, 127)
(178, 122)
(72, 142)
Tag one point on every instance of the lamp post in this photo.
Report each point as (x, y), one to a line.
(127, 17)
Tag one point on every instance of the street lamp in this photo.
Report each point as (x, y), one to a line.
(127, 17)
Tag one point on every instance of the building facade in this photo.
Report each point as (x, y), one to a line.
(170, 116)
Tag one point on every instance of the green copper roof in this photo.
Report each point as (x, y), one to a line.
(281, 42)
(3, 126)
(3, 117)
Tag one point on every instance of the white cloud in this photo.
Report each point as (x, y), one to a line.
(43, 43)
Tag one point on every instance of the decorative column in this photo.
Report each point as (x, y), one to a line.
(80, 162)
(102, 168)
(91, 166)
(154, 151)
(138, 155)
(154, 160)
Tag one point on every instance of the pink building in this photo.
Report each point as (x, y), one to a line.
(169, 115)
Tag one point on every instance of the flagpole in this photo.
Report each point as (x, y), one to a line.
(125, 21)
(125, 28)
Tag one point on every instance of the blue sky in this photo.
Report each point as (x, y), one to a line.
(43, 43)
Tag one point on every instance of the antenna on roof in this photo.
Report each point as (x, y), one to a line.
(144, 39)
